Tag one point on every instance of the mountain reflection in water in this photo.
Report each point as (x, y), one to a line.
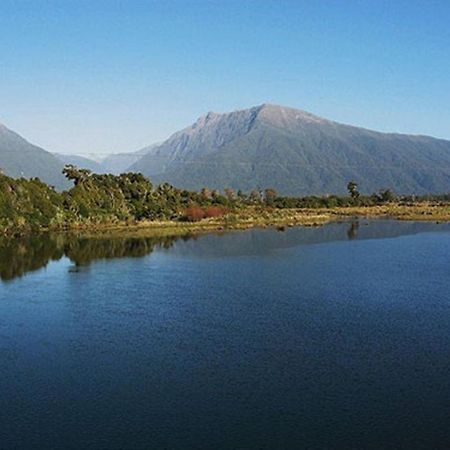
(19, 256)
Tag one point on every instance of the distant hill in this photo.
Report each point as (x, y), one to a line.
(120, 162)
(297, 153)
(81, 162)
(19, 158)
(114, 163)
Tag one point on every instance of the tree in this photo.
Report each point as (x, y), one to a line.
(255, 196)
(206, 194)
(352, 188)
(230, 194)
(75, 174)
(218, 198)
(270, 194)
(386, 196)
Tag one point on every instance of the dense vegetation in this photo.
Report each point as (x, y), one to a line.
(130, 197)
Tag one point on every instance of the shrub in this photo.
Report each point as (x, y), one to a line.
(215, 211)
(194, 214)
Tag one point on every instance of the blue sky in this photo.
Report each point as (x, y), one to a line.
(110, 76)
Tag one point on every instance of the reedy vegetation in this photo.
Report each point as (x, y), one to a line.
(129, 198)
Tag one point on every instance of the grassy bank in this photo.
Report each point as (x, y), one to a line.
(257, 217)
(238, 220)
(425, 211)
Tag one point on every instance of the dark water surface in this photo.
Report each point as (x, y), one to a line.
(328, 338)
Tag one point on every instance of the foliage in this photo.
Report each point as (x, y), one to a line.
(352, 188)
(28, 203)
(270, 195)
(130, 197)
(385, 196)
(196, 213)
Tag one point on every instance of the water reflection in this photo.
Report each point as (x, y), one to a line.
(352, 231)
(21, 255)
(263, 242)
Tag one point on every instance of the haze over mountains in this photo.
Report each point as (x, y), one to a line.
(291, 150)
(120, 162)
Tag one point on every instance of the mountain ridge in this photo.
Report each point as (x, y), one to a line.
(261, 146)
(294, 151)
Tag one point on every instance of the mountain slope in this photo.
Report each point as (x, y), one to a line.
(297, 153)
(19, 158)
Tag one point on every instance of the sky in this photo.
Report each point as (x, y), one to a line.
(114, 76)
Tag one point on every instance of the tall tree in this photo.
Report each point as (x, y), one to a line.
(352, 188)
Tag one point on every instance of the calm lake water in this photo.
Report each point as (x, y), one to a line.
(329, 338)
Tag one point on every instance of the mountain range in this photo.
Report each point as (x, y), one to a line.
(114, 163)
(291, 150)
(120, 162)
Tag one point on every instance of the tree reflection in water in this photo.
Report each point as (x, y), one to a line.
(21, 255)
(26, 254)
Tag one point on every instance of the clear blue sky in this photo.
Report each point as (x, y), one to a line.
(102, 76)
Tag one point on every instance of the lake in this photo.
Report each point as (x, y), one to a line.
(322, 338)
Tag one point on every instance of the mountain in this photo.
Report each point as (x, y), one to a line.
(297, 153)
(80, 161)
(19, 158)
(114, 163)
(120, 162)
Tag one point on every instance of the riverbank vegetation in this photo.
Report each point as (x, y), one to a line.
(105, 201)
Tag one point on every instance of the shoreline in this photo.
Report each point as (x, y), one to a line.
(254, 217)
